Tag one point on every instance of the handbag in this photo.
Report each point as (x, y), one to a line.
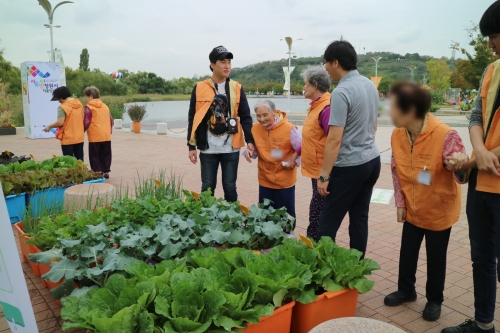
(60, 130)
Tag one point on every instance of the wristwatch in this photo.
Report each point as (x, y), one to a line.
(323, 179)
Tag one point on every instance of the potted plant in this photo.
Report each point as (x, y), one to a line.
(136, 113)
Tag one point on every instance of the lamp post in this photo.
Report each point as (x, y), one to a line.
(425, 76)
(289, 43)
(50, 13)
(411, 70)
(376, 64)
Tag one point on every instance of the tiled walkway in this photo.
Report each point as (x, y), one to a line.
(134, 153)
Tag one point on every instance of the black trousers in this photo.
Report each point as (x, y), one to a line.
(436, 244)
(75, 150)
(350, 192)
(483, 213)
(100, 156)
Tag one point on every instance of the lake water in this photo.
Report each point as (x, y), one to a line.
(176, 112)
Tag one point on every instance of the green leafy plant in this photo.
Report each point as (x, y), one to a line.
(151, 229)
(137, 112)
(214, 291)
(465, 107)
(158, 185)
(434, 108)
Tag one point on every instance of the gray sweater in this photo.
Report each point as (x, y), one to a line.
(476, 117)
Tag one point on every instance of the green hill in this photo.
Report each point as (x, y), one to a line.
(270, 73)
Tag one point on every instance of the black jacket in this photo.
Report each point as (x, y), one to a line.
(202, 130)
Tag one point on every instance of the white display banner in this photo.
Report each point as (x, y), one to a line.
(287, 77)
(14, 298)
(59, 58)
(39, 79)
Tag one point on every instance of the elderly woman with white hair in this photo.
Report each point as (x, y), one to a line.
(278, 147)
(314, 133)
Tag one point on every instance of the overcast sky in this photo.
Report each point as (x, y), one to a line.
(174, 38)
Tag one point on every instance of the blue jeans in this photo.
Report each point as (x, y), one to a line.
(483, 213)
(210, 166)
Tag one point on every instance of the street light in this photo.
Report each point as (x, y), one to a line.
(412, 69)
(289, 43)
(50, 13)
(376, 64)
(425, 76)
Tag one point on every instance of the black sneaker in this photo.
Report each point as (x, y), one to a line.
(399, 297)
(468, 326)
(432, 311)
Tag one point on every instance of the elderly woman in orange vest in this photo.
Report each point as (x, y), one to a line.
(278, 145)
(314, 133)
(427, 193)
(69, 124)
(99, 125)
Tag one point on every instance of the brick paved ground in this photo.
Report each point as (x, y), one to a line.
(144, 152)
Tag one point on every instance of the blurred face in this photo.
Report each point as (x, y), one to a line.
(222, 67)
(310, 91)
(89, 98)
(494, 43)
(264, 116)
(333, 68)
(398, 118)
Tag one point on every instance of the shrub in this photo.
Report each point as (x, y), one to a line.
(11, 109)
(137, 112)
(434, 107)
(465, 107)
(437, 97)
(117, 112)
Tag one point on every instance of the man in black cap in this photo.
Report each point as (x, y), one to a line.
(219, 125)
(69, 123)
(483, 198)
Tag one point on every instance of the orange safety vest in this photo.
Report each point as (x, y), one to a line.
(100, 127)
(435, 206)
(489, 88)
(73, 132)
(205, 93)
(271, 172)
(314, 138)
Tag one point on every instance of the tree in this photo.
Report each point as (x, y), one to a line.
(439, 74)
(461, 76)
(385, 84)
(10, 75)
(482, 57)
(84, 60)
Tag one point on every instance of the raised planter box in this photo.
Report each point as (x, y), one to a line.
(279, 322)
(27, 249)
(44, 269)
(328, 306)
(16, 206)
(7, 131)
(95, 181)
(46, 202)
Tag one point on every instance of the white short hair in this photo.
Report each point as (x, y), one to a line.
(267, 103)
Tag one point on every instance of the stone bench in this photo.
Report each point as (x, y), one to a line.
(355, 325)
(88, 196)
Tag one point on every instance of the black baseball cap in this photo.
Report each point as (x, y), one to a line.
(219, 53)
(61, 92)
